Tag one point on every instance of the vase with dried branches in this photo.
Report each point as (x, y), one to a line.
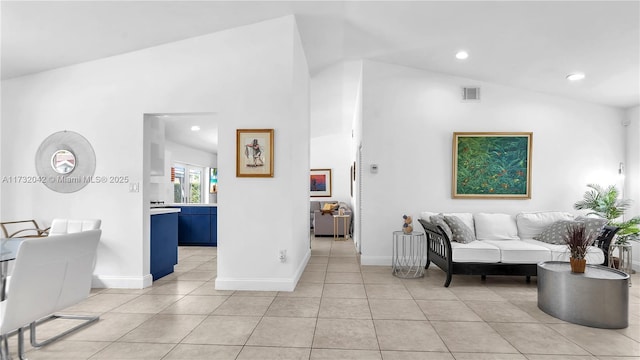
(578, 240)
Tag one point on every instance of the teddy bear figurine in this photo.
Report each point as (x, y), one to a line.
(407, 227)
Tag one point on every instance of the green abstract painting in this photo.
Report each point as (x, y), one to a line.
(492, 165)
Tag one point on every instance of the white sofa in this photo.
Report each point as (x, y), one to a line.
(504, 244)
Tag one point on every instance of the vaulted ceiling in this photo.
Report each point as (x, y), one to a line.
(525, 44)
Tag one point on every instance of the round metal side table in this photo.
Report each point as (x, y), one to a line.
(409, 254)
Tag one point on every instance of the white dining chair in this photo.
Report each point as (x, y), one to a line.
(50, 274)
(68, 226)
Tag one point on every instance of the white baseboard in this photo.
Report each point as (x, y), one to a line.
(302, 266)
(256, 284)
(375, 260)
(121, 282)
(264, 284)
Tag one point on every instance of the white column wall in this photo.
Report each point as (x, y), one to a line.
(632, 162)
(333, 106)
(632, 173)
(244, 74)
(409, 117)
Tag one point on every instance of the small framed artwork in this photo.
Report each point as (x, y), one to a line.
(492, 165)
(320, 182)
(254, 153)
(213, 180)
(351, 174)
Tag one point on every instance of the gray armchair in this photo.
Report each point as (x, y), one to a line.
(323, 221)
(315, 205)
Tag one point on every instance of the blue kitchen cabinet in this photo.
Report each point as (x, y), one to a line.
(184, 226)
(214, 226)
(197, 224)
(164, 244)
(201, 229)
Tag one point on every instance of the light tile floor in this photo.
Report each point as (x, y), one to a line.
(339, 310)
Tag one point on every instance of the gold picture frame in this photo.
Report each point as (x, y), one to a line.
(320, 183)
(491, 165)
(254, 152)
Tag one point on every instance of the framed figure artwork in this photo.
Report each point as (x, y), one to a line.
(254, 153)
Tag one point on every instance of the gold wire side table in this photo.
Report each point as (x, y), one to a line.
(409, 254)
(336, 227)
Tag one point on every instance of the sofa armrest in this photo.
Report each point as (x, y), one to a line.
(438, 248)
(604, 241)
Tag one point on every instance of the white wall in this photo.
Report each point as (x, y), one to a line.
(333, 105)
(632, 173)
(262, 216)
(244, 74)
(632, 162)
(408, 120)
(355, 145)
(191, 156)
(161, 187)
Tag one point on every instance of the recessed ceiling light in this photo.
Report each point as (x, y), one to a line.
(461, 55)
(195, 128)
(575, 76)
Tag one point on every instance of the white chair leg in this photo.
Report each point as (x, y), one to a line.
(86, 320)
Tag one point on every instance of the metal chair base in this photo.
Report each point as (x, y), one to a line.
(4, 345)
(87, 320)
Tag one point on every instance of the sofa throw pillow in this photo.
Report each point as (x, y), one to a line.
(439, 220)
(460, 232)
(556, 233)
(593, 224)
(534, 223)
(329, 206)
(466, 218)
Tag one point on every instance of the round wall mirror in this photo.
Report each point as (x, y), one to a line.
(63, 162)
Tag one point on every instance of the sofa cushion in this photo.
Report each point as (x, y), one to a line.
(475, 251)
(534, 223)
(520, 252)
(562, 253)
(439, 220)
(495, 226)
(460, 232)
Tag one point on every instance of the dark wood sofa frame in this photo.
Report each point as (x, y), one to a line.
(439, 252)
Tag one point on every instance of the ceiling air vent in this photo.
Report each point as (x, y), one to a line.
(471, 94)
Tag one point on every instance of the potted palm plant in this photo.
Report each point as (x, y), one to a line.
(604, 202)
(579, 239)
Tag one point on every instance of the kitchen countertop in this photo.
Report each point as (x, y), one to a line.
(157, 211)
(201, 205)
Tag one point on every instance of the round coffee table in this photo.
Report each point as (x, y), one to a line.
(598, 298)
